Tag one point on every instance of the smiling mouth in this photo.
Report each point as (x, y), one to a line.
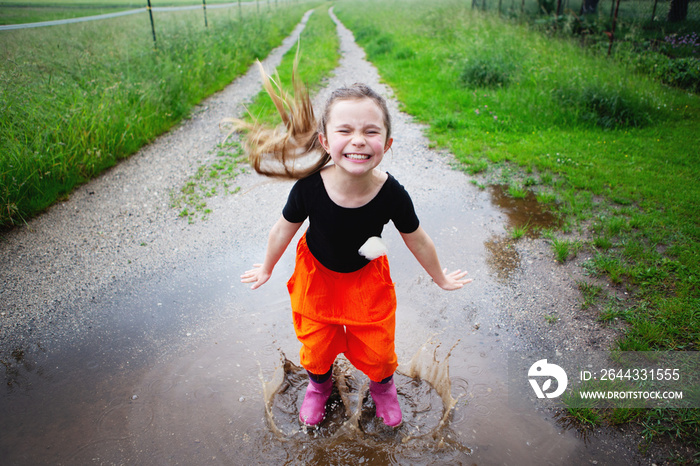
(357, 156)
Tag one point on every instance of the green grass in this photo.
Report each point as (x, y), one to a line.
(626, 162)
(614, 151)
(590, 293)
(517, 191)
(75, 99)
(519, 231)
(210, 180)
(31, 11)
(318, 47)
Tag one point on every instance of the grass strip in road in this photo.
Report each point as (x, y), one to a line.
(614, 152)
(318, 57)
(318, 48)
(75, 99)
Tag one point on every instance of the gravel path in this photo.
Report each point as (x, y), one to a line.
(120, 229)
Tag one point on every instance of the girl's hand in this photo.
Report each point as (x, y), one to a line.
(257, 276)
(454, 280)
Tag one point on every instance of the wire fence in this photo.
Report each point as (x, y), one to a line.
(199, 6)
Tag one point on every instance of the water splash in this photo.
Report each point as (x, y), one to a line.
(424, 365)
(425, 395)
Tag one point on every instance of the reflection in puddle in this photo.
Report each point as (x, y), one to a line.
(527, 213)
(523, 211)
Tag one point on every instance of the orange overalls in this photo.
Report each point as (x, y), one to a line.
(352, 313)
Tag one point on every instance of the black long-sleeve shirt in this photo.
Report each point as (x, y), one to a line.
(336, 233)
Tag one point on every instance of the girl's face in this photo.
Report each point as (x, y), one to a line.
(356, 135)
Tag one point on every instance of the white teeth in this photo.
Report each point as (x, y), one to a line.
(357, 156)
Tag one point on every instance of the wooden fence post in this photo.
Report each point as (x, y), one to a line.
(153, 28)
(612, 33)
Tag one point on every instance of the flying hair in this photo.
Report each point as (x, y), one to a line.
(293, 150)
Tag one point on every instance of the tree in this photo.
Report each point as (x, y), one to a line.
(589, 6)
(678, 11)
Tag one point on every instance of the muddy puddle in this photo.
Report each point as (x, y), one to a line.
(194, 368)
(524, 213)
(233, 398)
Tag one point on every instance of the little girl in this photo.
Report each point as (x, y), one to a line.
(342, 301)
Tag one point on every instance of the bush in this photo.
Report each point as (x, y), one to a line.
(365, 32)
(683, 73)
(382, 45)
(376, 42)
(404, 53)
(546, 6)
(607, 108)
(491, 71)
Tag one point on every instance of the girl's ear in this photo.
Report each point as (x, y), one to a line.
(324, 142)
(387, 146)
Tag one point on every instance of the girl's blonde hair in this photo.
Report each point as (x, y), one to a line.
(294, 151)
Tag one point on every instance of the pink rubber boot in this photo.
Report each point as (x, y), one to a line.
(313, 408)
(386, 401)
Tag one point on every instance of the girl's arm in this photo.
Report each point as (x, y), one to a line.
(423, 248)
(280, 236)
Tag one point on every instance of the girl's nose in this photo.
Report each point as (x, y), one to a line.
(358, 140)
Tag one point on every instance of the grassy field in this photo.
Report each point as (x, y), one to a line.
(31, 11)
(74, 99)
(643, 37)
(614, 152)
